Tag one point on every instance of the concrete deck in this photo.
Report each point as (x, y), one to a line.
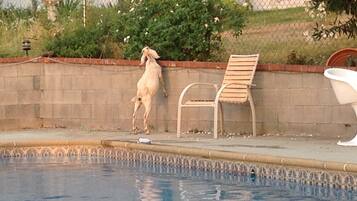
(302, 147)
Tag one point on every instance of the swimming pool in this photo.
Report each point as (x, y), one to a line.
(98, 178)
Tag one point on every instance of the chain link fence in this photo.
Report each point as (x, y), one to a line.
(277, 29)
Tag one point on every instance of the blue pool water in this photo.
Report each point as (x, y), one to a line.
(73, 179)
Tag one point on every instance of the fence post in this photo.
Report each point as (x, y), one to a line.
(84, 12)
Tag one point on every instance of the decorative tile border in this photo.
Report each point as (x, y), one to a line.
(333, 179)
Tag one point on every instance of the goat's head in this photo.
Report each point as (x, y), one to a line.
(148, 53)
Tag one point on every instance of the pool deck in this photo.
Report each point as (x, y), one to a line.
(308, 148)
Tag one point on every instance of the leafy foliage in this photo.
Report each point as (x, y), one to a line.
(67, 7)
(179, 30)
(80, 43)
(182, 29)
(346, 8)
(295, 58)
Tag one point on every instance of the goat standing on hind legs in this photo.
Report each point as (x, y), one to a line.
(148, 85)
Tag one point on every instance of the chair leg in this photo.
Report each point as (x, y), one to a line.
(222, 118)
(215, 122)
(253, 113)
(178, 130)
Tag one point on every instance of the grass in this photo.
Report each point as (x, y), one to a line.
(285, 16)
(274, 34)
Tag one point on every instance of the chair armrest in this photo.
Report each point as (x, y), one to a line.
(225, 86)
(184, 91)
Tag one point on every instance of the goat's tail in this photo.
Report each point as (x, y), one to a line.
(135, 98)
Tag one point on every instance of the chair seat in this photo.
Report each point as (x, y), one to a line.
(199, 103)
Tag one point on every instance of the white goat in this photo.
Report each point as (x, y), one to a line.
(148, 85)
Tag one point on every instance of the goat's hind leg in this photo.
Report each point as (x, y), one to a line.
(136, 107)
(162, 83)
(147, 105)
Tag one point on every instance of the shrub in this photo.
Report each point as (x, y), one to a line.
(102, 38)
(345, 22)
(182, 29)
(66, 7)
(294, 58)
(83, 42)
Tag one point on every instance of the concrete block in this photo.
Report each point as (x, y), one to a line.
(25, 83)
(9, 71)
(116, 111)
(36, 82)
(67, 123)
(181, 78)
(67, 82)
(264, 80)
(46, 111)
(53, 69)
(283, 97)
(115, 97)
(266, 114)
(300, 129)
(317, 114)
(325, 96)
(270, 127)
(80, 111)
(91, 70)
(53, 82)
(72, 96)
(124, 124)
(343, 114)
(288, 80)
(301, 97)
(9, 124)
(8, 97)
(284, 114)
(120, 81)
(2, 83)
(28, 111)
(101, 82)
(297, 114)
(10, 83)
(334, 130)
(29, 97)
(81, 82)
(62, 111)
(101, 112)
(236, 112)
(30, 123)
(315, 81)
(95, 97)
(11, 112)
(57, 96)
(2, 112)
(30, 69)
(265, 97)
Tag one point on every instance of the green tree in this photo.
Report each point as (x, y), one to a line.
(345, 22)
(181, 29)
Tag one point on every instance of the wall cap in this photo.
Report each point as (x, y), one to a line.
(167, 64)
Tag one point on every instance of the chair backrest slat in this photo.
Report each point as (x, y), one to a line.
(240, 70)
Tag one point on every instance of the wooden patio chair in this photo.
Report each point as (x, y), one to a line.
(235, 88)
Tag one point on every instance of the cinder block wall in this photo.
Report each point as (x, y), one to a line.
(98, 97)
(20, 96)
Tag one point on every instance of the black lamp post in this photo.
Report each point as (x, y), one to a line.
(26, 46)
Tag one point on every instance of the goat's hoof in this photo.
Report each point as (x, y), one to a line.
(135, 131)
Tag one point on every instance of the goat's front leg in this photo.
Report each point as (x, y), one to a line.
(162, 83)
(136, 107)
(147, 105)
